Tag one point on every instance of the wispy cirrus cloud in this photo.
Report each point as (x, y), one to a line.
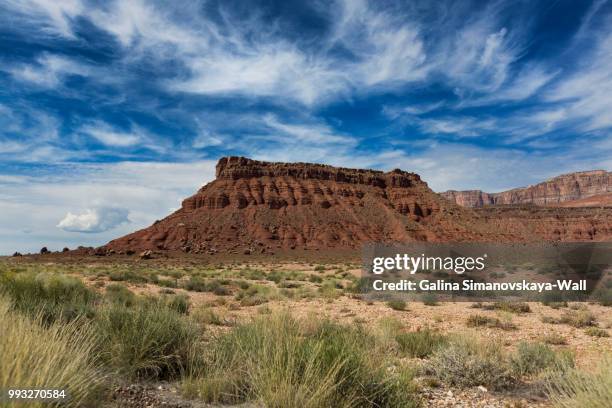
(469, 94)
(49, 71)
(586, 92)
(110, 136)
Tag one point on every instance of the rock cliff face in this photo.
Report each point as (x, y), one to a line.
(561, 189)
(262, 206)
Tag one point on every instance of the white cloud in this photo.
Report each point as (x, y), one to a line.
(148, 190)
(586, 92)
(459, 126)
(270, 70)
(416, 109)
(109, 136)
(94, 220)
(53, 16)
(367, 49)
(316, 133)
(49, 70)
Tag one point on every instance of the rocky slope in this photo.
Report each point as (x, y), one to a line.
(261, 206)
(561, 189)
(570, 224)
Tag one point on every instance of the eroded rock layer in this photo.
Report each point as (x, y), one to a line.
(567, 224)
(254, 206)
(561, 189)
(261, 206)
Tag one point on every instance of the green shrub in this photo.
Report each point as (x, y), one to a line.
(48, 296)
(205, 315)
(532, 358)
(179, 303)
(329, 290)
(360, 285)
(196, 284)
(119, 294)
(576, 389)
(603, 295)
(397, 304)
(51, 355)
(167, 283)
(421, 343)
(555, 339)
(148, 340)
(315, 279)
(429, 299)
(578, 318)
(468, 362)
(128, 276)
(256, 295)
(277, 361)
(490, 322)
(512, 307)
(553, 298)
(596, 332)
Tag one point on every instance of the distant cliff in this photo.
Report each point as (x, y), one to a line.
(561, 189)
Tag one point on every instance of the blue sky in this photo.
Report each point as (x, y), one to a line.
(112, 112)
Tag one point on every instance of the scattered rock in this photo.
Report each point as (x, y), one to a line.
(146, 254)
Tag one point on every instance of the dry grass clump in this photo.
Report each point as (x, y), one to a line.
(48, 296)
(576, 389)
(596, 332)
(468, 362)
(278, 361)
(533, 358)
(256, 295)
(578, 317)
(421, 343)
(429, 299)
(397, 304)
(217, 286)
(490, 322)
(510, 307)
(554, 339)
(55, 355)
(205, 315)
(149, 340)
